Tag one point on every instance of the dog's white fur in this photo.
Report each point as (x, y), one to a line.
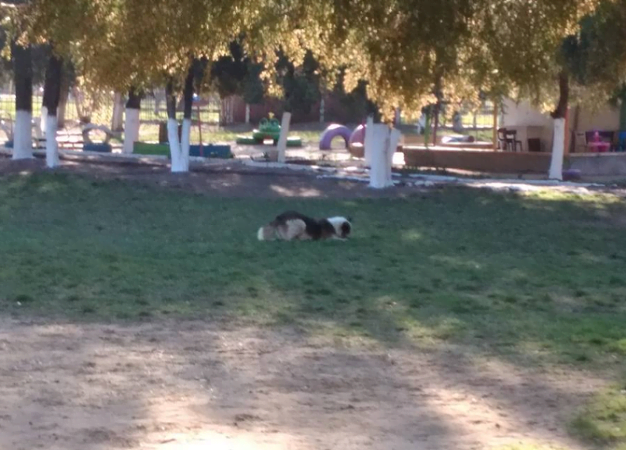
(337, 222)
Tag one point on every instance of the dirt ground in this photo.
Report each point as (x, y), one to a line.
(192, 385)
(196, 385)
(233, 180)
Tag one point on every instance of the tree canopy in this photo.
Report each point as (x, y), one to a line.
(410, 53)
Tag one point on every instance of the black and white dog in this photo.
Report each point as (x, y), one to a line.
(293, 226)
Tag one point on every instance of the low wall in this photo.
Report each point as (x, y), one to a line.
(600, 164)
(478, 161)
(589, 164)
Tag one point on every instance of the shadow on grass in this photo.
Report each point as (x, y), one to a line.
(531, 279)
(534, 275)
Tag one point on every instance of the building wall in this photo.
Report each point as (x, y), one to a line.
(606, 119)
(523, 114)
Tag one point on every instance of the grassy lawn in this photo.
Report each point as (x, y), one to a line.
(538, 279)
(213, 134)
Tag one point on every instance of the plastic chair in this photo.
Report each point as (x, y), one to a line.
(511, 140)
(502, 139)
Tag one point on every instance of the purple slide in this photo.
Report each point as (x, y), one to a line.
(332, 132)
(358, 137)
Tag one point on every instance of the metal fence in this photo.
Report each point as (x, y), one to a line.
(478, 123)
(98, 108)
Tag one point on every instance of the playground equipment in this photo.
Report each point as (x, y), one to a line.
(211, 151)
(356, 144)
(104, 146)
(331, 132)
(268, 130)
(222, 151)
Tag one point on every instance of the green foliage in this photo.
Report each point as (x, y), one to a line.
(253, 87)
(301, 88)
(229, 72)
(596, 54)
(356, 101)
(237, 74)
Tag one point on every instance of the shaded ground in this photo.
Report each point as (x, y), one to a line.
(194, 385)
(223, 181)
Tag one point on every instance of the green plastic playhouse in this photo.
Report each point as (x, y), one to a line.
(269, 129)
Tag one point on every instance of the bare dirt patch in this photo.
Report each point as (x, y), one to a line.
(193, 385)
(234, 180)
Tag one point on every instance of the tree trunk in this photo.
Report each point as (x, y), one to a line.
(558, 141)
(51, 96)
(65, 93)
(23, 78)
(187, 111)
(78, 102)
(117, 122)
(367, 141)
(561, 108)
(574, 127)
(179, 145)
(131, 121)
(384, 141)
(172, 127)
(282, 140)
(427, 126)
(436, 124)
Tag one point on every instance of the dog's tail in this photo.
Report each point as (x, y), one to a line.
(266, 233)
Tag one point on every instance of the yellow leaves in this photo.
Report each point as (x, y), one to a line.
(405, 49)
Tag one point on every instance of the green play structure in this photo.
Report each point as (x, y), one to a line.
(269, 129)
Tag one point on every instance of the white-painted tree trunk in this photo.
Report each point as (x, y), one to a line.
(118, 112)
(43, 121)
(558, 149)
(282, 140)
(184, 145)
(247, 114)
(367, 141)
(23, 135)
(52, 146)
(384, 141)
(131, 129)
(172, 137)
(179, 149)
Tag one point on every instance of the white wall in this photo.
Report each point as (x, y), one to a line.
(606, 119)
(523, 114)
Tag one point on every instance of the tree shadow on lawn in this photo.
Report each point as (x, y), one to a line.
(192, 382)
(531, 280)
(533, 275)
